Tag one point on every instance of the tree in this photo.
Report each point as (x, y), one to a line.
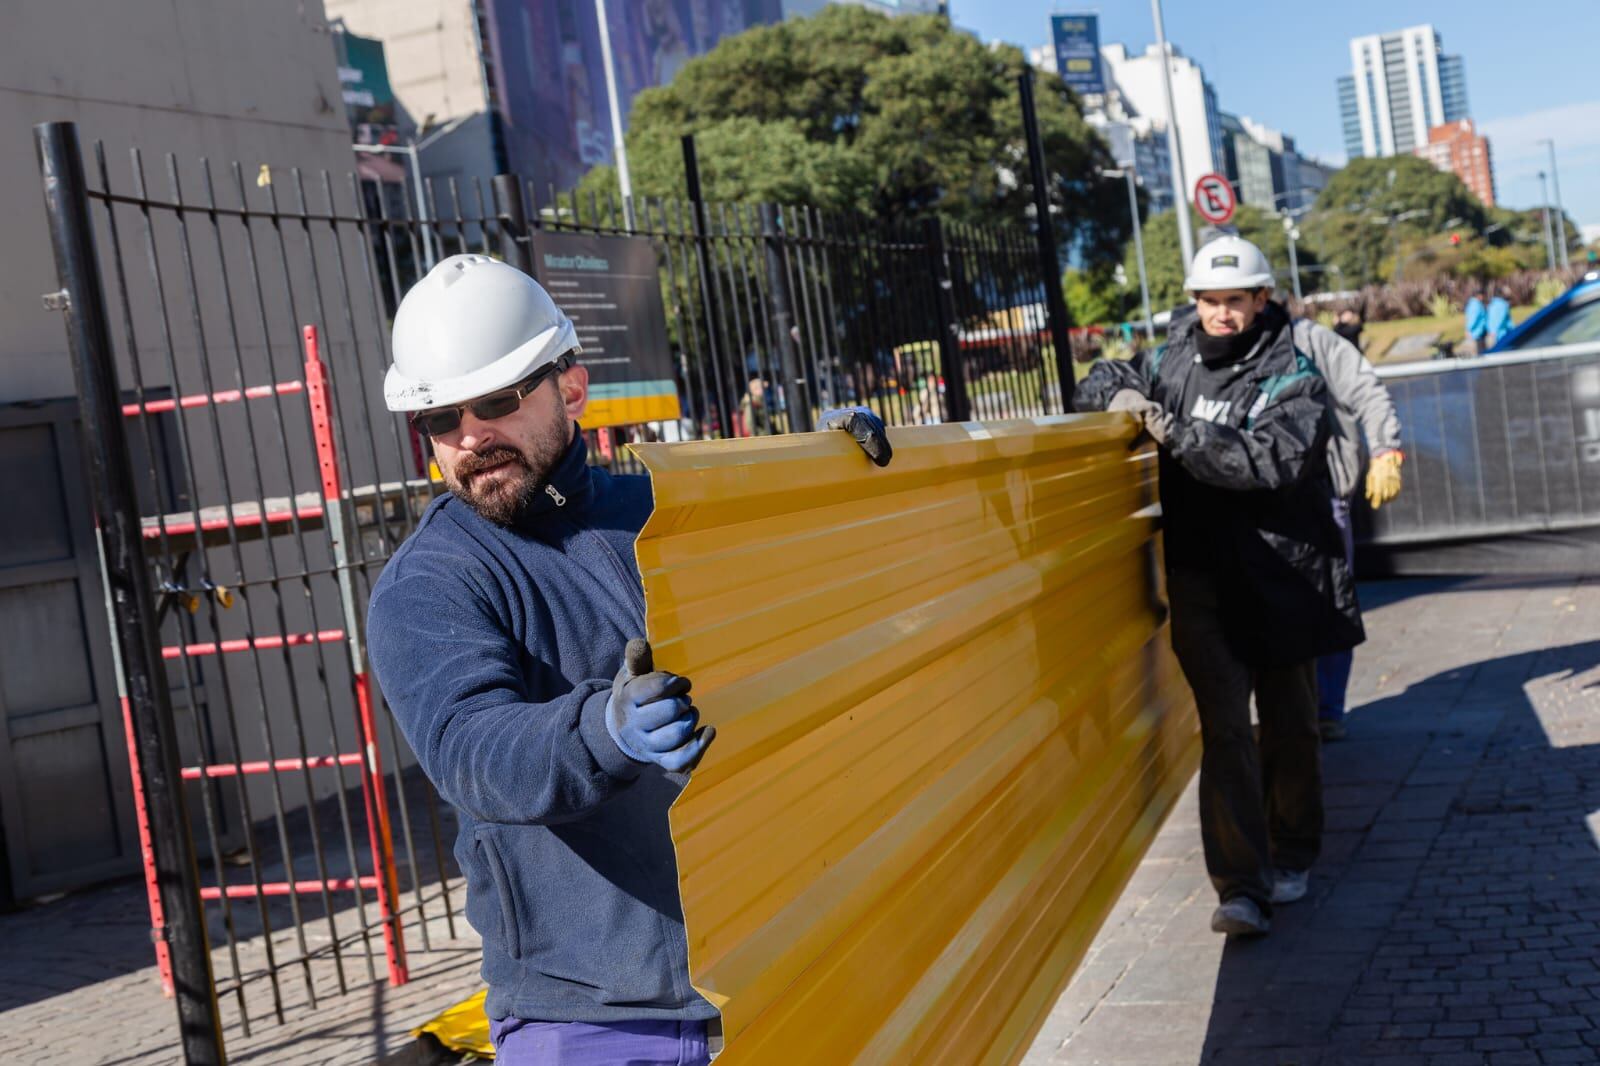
(1092, 297)
(903, 118)
(1370, 209)
(1164, 255)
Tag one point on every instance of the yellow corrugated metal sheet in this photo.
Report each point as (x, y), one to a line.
(949, 723)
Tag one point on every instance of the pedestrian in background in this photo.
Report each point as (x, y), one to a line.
(1361, 409)
(1256, 570)
(1497, 320)
(1476, 321)
(1349, 326)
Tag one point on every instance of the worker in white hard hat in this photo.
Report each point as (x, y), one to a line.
(502, 633)
(1256, 572)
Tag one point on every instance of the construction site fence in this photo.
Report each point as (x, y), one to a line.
(229, 333)
(1502, 467)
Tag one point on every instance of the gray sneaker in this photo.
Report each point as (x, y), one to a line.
(1290, 886)
(1240, 917)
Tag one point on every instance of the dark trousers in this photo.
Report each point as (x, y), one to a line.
(1333, 671)
(1260, 804)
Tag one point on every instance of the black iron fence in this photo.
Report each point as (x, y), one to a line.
(229, 332)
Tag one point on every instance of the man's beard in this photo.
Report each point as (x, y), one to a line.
(517, 485)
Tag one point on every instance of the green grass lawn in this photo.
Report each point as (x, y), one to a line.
(1380, 336)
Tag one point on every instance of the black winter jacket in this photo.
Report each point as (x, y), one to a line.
(1245, 495)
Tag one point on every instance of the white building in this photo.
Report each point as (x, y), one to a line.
(1137, 81)
(1399, 87)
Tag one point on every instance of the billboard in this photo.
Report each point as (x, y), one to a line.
(1077, 41)
(551, 79)
(611, 288)
(364, 83)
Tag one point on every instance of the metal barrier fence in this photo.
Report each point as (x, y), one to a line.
(230, 331)
(1502, 451)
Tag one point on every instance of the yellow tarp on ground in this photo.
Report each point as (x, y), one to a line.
(463, 1027)
(949, 723)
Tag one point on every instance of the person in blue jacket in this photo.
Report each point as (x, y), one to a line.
(1497, 319)
(504, 634)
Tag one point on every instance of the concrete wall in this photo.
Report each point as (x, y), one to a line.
(223, 79)
(226, 81)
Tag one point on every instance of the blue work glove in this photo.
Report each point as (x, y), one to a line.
(650, 715)
(865, 426)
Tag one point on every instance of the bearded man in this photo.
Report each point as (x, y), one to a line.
(504, 636)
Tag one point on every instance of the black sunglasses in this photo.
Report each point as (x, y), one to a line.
(489, 406)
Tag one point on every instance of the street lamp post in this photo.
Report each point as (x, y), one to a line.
(1180, 190)
(1561, 214)
(1292, 234)
(1544, 213)
(1126, 170)
(623, 178)
(413, 152)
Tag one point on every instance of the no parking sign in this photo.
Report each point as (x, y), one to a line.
(1214, 199)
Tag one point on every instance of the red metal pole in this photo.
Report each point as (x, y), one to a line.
(147, 856)
(372, 790)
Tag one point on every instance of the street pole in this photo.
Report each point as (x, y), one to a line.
(1561, 214)
(1544, 211)
(422, 207)
(1180, 189)
(1294, 261)
(1058, 319)
(623, 178)
(1138, 248)
(411, 151)
(130, 605)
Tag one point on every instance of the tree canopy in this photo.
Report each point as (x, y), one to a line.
(1372, 208)
(901, 118)
(1164, 255)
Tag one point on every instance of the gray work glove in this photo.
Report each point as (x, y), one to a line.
(650, 716)
(1130, 400)
(1160, 423)
(865, 426)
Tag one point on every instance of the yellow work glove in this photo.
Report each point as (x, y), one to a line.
(1383, 478)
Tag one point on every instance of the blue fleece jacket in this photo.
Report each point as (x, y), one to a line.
(496, 648)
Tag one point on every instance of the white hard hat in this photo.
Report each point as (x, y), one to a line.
(471, 326)
(1229, 262)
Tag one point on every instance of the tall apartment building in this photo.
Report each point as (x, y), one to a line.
(1400, 86)
(1137, 81)
(1132, 136)
(1266, 168)
(1459, 149)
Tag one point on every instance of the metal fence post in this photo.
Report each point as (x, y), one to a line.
(708, 296)
(1044, 229)
(141, 674)
(512, 212)
(783, 323)
(949, 334)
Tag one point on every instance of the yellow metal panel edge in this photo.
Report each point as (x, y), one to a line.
(703, 486)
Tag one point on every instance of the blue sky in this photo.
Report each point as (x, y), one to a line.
(1533, 68)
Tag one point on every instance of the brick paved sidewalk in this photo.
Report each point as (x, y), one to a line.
(1455, 916)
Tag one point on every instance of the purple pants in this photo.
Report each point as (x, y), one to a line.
(654, 1043)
